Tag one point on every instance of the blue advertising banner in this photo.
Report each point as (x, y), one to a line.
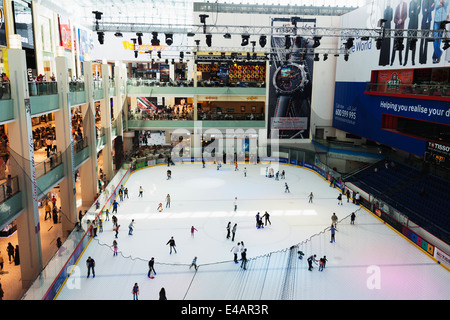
(362, 114)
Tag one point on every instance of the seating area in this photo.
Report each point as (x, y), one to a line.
(422, 197)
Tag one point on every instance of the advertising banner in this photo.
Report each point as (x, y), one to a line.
(290, 82)
(65, 34)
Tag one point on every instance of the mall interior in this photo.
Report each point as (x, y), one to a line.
(90, 90)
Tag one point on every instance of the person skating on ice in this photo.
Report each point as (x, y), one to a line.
(333, 232)
(160, 208)
(130, 227)
(236, 249)
(266, 217)
(233, 231)
(352, 218)
(228, 229)
(334, 220)
(135, 292)
(141, 192)
(171, 243)
(339, 199)
(286, 188)
(194, 264)
(168, 201)
(115, 205)
(151, 267)
(116, 229)
(192, 231)
(90, 264)
(310, 260)
(115, 248)
(235, 204)
(311, 196)
(244, 259)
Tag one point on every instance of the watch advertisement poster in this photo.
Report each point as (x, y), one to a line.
(290, 80)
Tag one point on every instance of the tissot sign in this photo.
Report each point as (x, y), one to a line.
(438, 152)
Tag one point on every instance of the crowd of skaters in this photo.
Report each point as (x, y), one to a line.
(237, 249)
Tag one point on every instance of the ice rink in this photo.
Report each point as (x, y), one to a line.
(368, 260)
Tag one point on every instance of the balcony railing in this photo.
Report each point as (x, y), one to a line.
(5, 90)
(44, 167)
(9, 188)
(42, 88)
(424, 89)
(76, 86)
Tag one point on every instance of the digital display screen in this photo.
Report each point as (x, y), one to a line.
(223, 72)
(285, 73)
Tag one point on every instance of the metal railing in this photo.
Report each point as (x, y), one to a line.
(44, 167)
(424, 89)
(5, 90)
(42, 88)
(9, 188)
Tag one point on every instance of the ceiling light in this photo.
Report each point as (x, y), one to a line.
(245, 40)
(169, 39)
(316, 42)
(262, 41)
(118, 34)
(98, 15)
(101, 37)
(203, 18)
(227, 36)
(208, 40)
(155, 40)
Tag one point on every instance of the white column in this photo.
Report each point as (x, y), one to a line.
(22, 164)
(64, 142)
(105, 114)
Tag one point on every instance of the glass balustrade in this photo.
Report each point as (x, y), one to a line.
(42, 88)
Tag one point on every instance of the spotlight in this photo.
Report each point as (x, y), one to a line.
(139, 38)
(316, 57)
(325, 56)
(98, 15)
(101, 37)
(208, 40)
(446, 44)
(398, 44)
(190, 34)
(155, 40)
(136, 53)
(442, 24)
(298, 42)
(118, 34)
(262, 41)
(316, 42)
(412, 45)
(346, 57)
(244, 40)
(227, 36)
(203, 18)
(379, 41)
(349, 43)
(158, 54)
(169, 38)
(287, 42)
(181, 54)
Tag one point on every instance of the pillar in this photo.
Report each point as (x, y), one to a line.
(22, 164)
(64, 142)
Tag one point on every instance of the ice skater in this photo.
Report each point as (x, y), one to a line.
(244, 259)
(334, 220)
(233, 231)
(324, 259)
(245, 171)
(286, 188)
(310, 260)
(300, 255)
(194, 264)
(321, 264)
(90, 264)
(333, 232)
(168, 201)
(141, 192)
(235, 204)
(169, 174)
(339, 198)
(116, 229)
(125, 193)
(115, 248)
(130, 227)
(151, 267)
(172, 245)
(311, 196)
(352, 218)
(135, 292)
(160, 208)
(228, 229)
(266, 217)
(236, 249)
(192, 231)
(115, 205)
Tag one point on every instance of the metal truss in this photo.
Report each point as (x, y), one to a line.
(302, 31)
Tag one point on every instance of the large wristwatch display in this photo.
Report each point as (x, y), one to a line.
(290, 80)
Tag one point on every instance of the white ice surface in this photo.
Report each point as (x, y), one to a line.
(368, 260)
